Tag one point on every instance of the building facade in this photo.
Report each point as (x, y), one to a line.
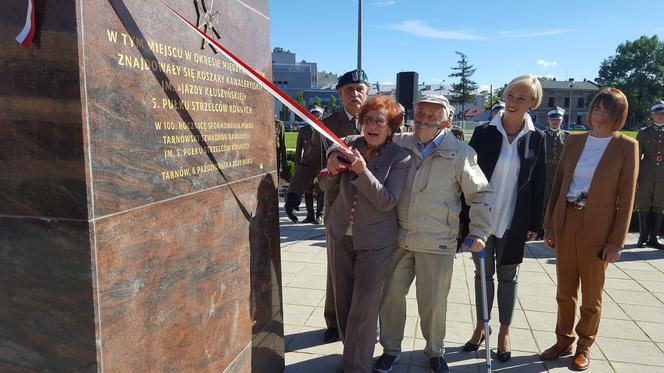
(573, 96)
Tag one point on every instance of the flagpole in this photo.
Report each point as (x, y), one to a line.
(359, 38)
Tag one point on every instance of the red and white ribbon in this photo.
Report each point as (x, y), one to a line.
(267, 85)
(28, 32)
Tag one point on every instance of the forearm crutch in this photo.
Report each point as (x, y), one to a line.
(487, 333)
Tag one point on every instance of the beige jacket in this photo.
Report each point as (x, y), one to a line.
(430, 203)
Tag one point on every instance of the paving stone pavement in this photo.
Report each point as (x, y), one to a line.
(630, 338)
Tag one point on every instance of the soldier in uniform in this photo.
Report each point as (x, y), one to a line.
(353, 87)
(650, 192)
(303, 142)
(555, 140)
(496, 108)
(456, 130)
(280, 140)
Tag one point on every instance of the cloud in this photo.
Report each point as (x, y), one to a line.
(530, 34)
(383, 3)
(547, 63)
(386, 83)
(419, 28)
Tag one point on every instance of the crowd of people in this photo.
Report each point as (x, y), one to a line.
(398, 207)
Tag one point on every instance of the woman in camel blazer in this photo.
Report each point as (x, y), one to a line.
(587, 219)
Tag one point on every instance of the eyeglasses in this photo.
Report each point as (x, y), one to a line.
(379, 122)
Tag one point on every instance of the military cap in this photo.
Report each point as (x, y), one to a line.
(556, 113)
(658, 107)
(352, 77)
(498, 106)
(316, 109)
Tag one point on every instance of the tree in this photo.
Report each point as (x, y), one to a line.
(333, 104)
(300, 100)
(489, 98)
(637, 69)
(284, 114)
(316, 101)
(465, 89)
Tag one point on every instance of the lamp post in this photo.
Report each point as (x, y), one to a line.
(569, 118)
(359, 38)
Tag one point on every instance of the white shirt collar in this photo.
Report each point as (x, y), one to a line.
(497, 121)
(348, 115)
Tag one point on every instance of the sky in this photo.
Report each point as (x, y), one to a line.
(502, 39)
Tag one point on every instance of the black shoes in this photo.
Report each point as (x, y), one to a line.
(469, 346)
(504, 356)
(439, 365)
(292, 203)
(311, 220)
(331, 335)
(656, 241)
(385, 363)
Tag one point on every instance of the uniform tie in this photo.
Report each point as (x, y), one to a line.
(356, 125)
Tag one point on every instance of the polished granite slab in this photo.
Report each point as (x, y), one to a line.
(138, 206)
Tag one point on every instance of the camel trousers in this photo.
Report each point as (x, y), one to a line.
(576, 264)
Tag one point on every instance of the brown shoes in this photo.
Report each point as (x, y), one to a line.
(555, 352)
(581, 359)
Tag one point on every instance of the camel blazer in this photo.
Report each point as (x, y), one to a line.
(368, 201)
(608, 212)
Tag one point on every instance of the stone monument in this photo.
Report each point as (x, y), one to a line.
(138, 206)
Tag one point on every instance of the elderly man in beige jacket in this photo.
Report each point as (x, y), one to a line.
(428, 210)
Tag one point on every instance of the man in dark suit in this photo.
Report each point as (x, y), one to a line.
(353, 87)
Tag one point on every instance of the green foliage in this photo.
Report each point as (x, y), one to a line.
(333, 104)
(489, 99)
(637, 69)
(316, 101)
(300, 100)
(288, 174)
(499, 91)
(465, 89)
(290, 154)
(284, 114)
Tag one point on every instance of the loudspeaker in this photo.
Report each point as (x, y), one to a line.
(407, 89)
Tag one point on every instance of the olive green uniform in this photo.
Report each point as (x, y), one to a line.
(650, 192)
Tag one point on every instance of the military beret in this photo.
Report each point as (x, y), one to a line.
(352, 77)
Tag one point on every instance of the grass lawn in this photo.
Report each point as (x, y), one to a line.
(291, 140)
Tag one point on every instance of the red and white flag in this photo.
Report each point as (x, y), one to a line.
(28, 32)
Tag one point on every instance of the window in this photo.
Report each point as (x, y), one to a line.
(580, 102)
(566, 102)
(552, 101)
